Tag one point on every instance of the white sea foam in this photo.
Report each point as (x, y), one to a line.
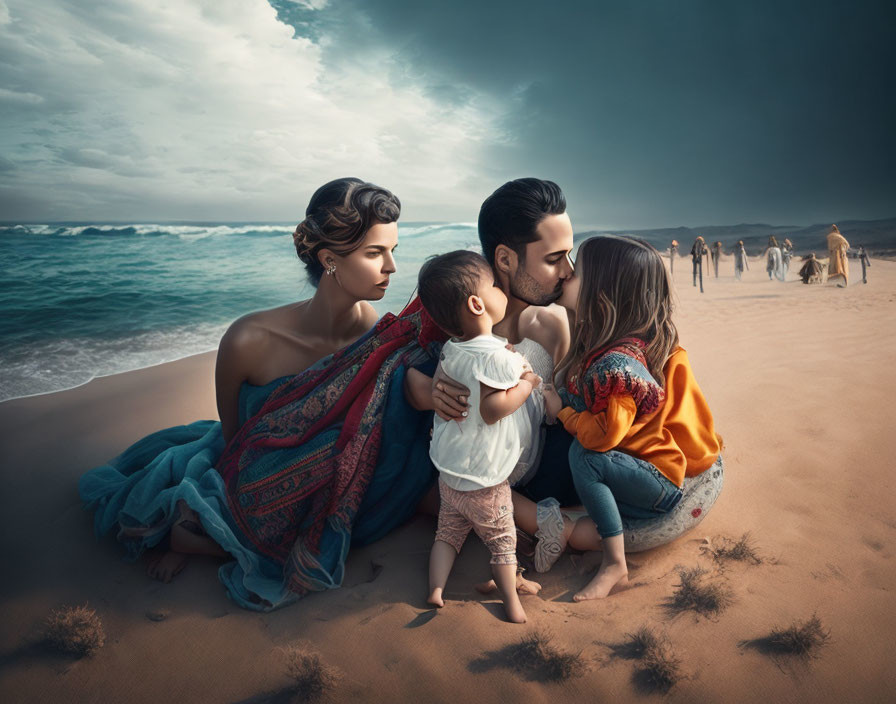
(56, 365)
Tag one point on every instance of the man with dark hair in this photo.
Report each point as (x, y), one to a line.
(510, 218)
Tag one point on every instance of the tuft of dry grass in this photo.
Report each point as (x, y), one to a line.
(659, 669)
(313, 677)
(636, 645)
(696, 593)
(536, 656)
(741, 550)
(801, 638)
(75, 630)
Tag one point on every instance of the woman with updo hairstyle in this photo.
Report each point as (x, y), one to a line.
(337, 218)
(316, 448)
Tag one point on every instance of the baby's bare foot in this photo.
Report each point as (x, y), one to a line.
(515, 612)
(607, 577)
(435, 598)
(168, 566)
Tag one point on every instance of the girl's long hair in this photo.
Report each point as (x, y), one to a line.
(624, 291)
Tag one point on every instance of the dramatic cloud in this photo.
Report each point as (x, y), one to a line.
(215, 110)
(647, 113)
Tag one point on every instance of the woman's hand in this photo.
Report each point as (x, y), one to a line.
(449, 398)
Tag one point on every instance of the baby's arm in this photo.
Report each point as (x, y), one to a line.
(495, 404)
(602, 431)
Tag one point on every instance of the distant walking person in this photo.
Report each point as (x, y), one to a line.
(716, 255)
(698, 251)
(837, 248)
(786, 254)
(740, 260)
(774, 264)
(673, 253)
(866, 262)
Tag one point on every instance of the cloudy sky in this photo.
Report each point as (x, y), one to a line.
(647, 112)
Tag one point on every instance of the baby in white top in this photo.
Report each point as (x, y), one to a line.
(474, 458)
(475, 454)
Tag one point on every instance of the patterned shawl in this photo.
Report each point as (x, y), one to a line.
(297, 472)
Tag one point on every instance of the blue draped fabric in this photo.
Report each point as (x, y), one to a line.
(137, 493)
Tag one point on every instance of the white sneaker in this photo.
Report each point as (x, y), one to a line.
(550, 541)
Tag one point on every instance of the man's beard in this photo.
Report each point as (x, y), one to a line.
(527, 289)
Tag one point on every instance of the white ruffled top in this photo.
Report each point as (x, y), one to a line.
(471, 455)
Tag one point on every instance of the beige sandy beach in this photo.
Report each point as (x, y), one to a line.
(801, 381)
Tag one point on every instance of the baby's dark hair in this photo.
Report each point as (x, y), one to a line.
(445, 283)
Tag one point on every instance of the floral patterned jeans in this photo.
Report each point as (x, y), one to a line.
(488, 512)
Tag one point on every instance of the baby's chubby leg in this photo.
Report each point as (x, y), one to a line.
(505, 576)
(441, 560)
(452, 531)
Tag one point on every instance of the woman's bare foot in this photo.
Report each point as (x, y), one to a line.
(435, 598)
(168, 566)
(607, 577)
(523, 586)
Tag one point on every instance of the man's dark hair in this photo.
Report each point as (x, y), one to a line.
(444, 284)
(510, 215)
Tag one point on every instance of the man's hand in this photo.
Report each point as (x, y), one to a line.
(449, 398)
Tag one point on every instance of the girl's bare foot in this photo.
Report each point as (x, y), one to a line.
(523, 586)
(607, 577)
(435, 598)
(167, 566)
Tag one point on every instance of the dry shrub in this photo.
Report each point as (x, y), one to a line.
(741, 550)
(659, 668)
(75, 630)
(536, 657)
(696, 593)
(313, 678)
(803, 639)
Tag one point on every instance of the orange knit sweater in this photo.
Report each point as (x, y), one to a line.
(678, 438)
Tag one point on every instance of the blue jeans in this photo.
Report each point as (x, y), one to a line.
(613, 484)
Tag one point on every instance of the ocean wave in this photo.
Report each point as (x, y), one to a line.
(145, 229)
(191, 231)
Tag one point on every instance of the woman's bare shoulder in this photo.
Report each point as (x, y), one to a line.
(252, 332)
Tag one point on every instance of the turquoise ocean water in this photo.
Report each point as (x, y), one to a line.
(81, 301)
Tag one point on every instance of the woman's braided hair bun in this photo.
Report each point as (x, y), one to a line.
(338, 216)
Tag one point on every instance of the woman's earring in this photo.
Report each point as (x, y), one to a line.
(331, 269)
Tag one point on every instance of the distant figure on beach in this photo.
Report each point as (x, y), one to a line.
(866, 262)
(630, 400)
(716, 254)
(838, 264)
(786, 254)
(772, 241)
(740, 260)
(283, 440)
(673, 255)
(698, 251)
(774, 264)
(810, 272)
(476, 459)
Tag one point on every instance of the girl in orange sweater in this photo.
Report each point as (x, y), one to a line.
(629, 398)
